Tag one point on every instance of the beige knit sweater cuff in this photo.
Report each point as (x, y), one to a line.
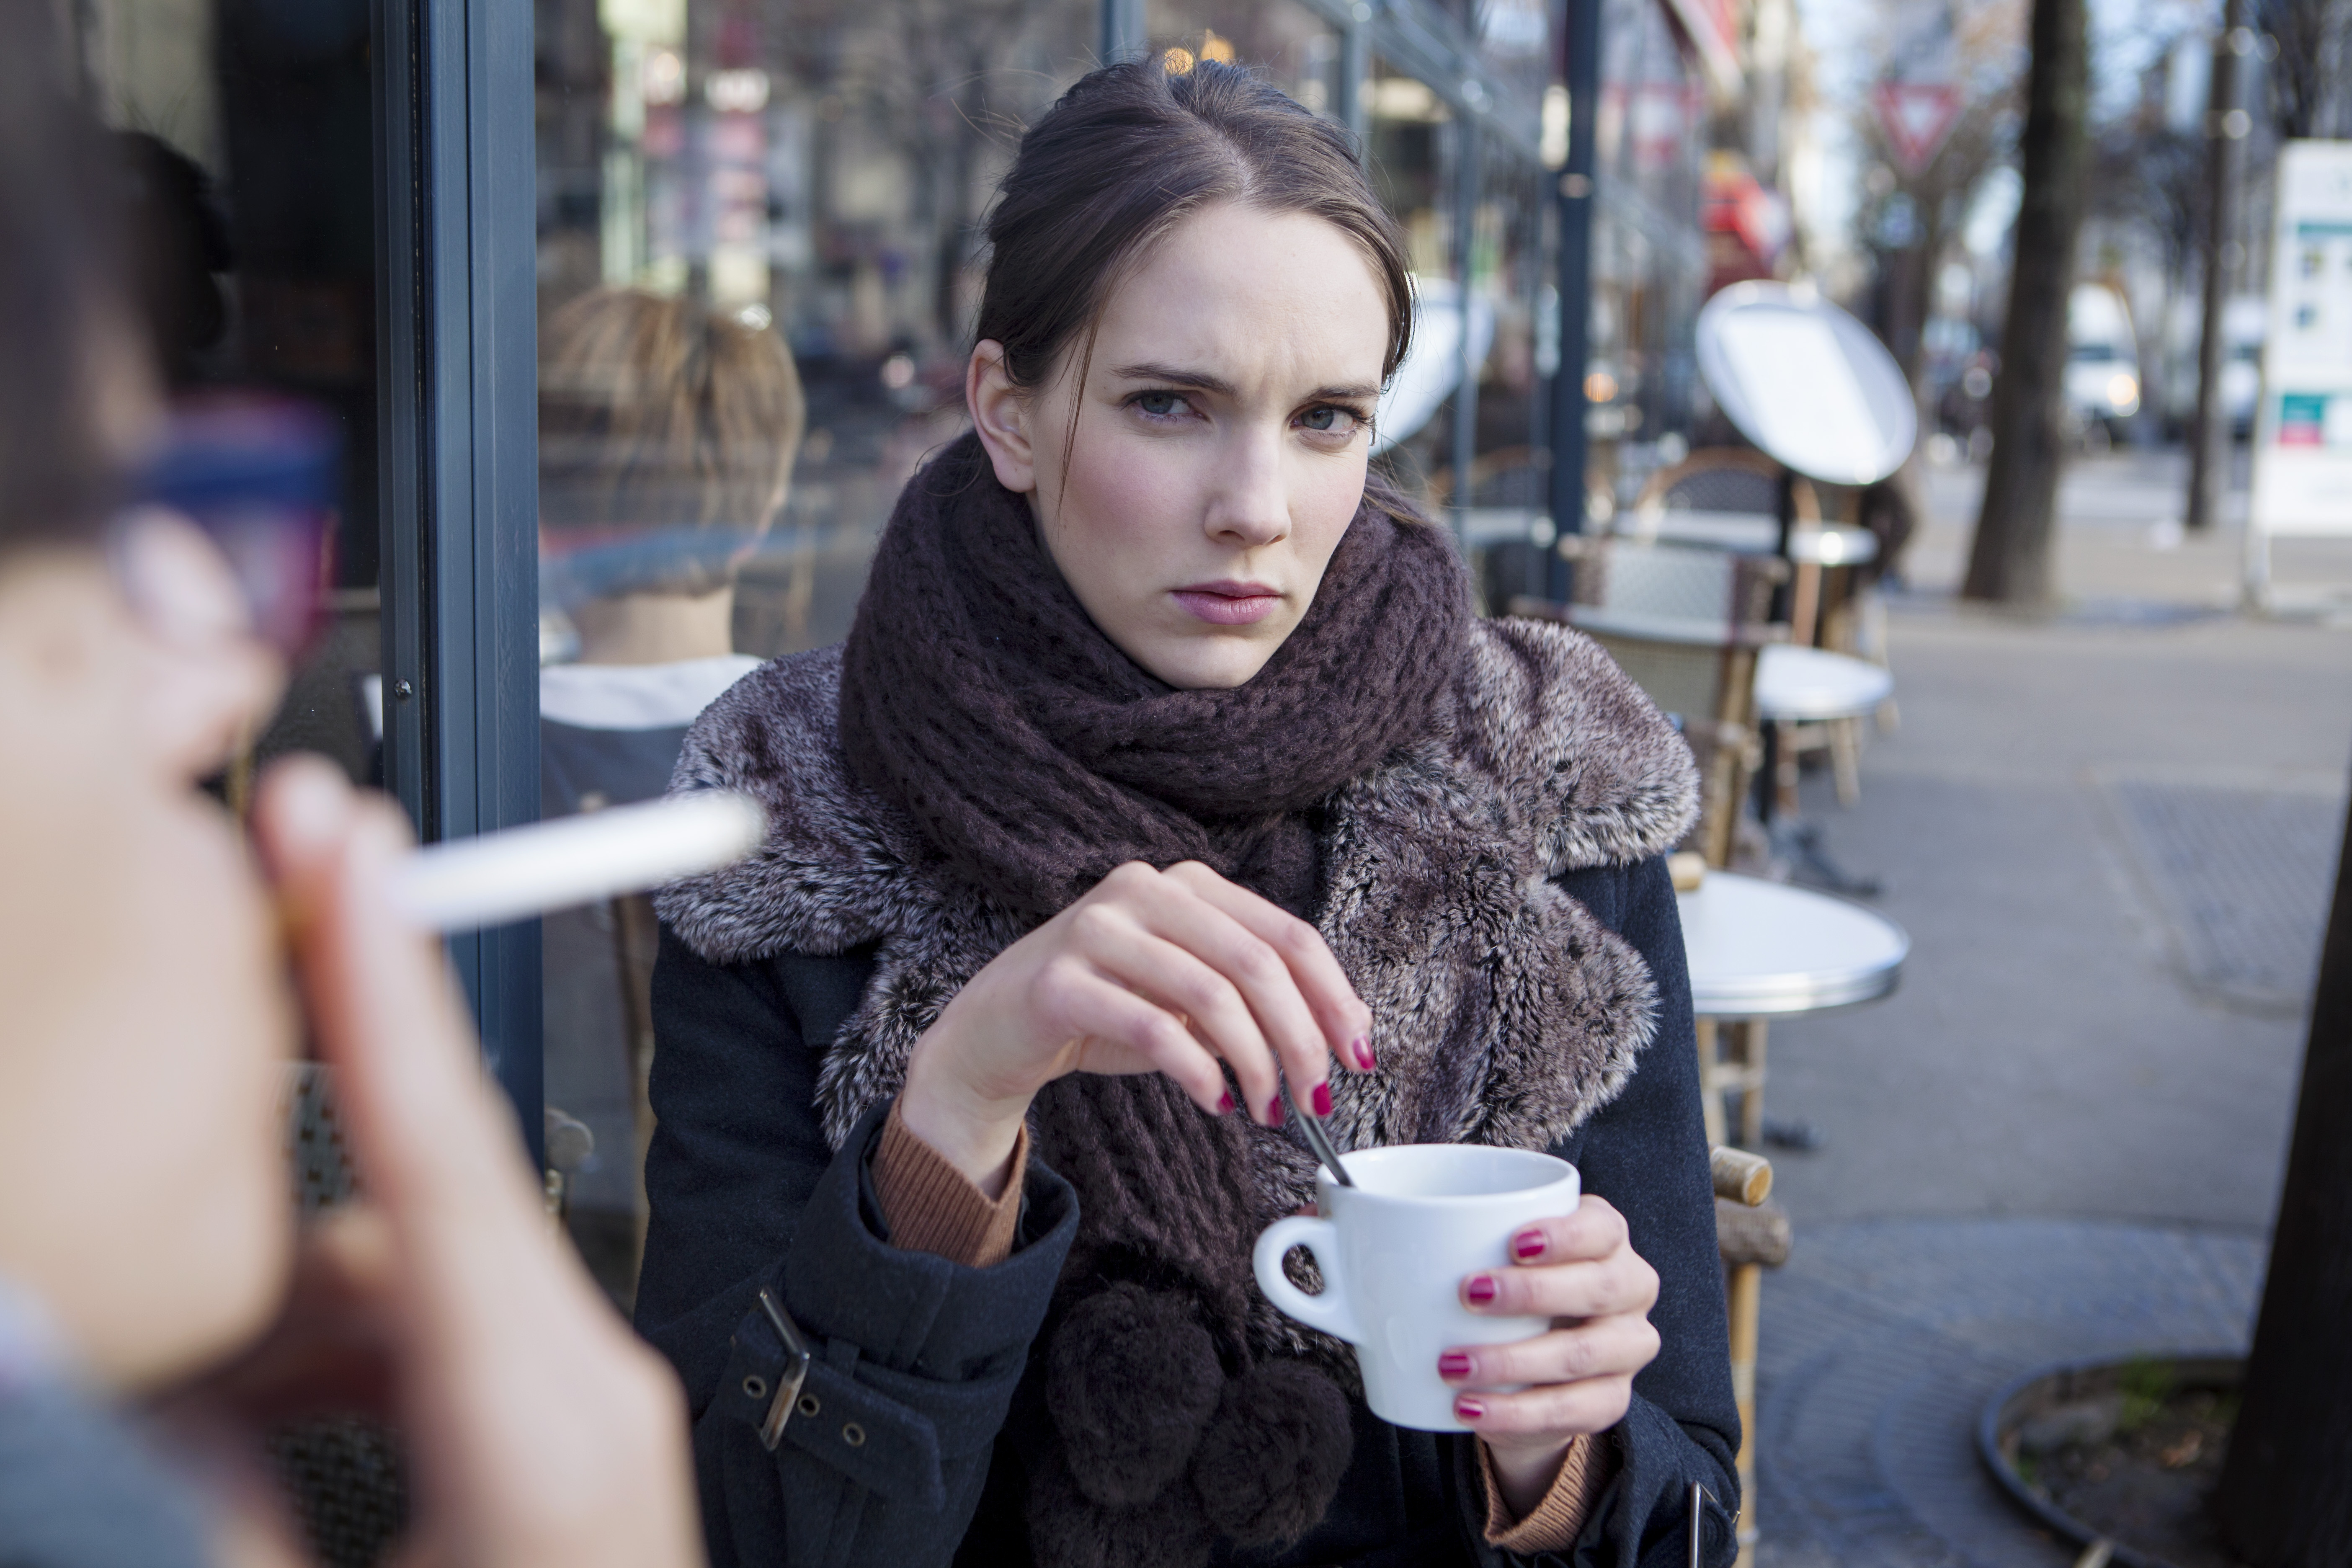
(1553, 1524)
(930, 1206)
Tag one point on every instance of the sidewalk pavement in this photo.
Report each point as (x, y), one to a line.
(2111, 834)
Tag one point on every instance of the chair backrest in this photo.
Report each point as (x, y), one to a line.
(1684, 624)
(1726, 479)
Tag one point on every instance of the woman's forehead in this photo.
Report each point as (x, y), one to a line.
(1251, 296)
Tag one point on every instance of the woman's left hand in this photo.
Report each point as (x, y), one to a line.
(1581, 1271)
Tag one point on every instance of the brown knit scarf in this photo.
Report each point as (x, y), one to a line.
(978, 696)
(1036, 757)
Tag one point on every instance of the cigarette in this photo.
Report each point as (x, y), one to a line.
(524, 872)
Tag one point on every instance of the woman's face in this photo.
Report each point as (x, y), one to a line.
(1193, 486)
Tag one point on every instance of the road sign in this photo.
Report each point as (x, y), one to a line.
(1917, 116)
(2303, 426)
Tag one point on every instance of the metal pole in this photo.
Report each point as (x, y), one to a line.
(1355, 66)
(1467, 172)
(2226, 125)
(1581, 41)
(1125, 33)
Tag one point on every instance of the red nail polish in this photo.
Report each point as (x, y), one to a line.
(1322, 1099)
(1225, 1103)
(1453, 1364)
(1528, 1244)
(1481, 1288)
(1273, 1112)
(1362, 1049)
(1469, 1409)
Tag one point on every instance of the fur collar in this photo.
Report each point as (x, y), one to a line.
(1504, 1012)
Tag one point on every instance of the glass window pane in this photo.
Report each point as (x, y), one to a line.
(1649, 257)
(245, 126)
(758, 248)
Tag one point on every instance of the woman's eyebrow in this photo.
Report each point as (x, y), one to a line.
(1173, 376)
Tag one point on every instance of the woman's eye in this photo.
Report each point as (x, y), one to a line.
(1328, 420)
(1159, 405)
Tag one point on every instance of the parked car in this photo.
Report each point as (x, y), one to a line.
(2245, 321)
(2102, 385)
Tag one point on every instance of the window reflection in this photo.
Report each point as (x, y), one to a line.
(758, 246)
(245, 132)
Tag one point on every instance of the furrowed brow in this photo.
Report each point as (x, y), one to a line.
(1173, 376)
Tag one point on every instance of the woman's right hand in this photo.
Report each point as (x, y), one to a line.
(1179, 971)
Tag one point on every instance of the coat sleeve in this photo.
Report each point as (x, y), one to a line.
(1647, 1153)
(915, 1358)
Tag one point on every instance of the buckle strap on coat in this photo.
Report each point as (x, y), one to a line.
(843, 1413)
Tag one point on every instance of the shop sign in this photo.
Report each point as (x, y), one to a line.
(2303, 432)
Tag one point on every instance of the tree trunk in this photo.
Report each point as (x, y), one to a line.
(2285, 1497)
(2225, 176)
(2010, 562)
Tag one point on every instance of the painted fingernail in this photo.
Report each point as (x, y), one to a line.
(1469, 1409)
(1273, 1112)
(1481, 1288)
(1225, 1103)
(1453, 1365)
(1322, 1099)
(1361, 1047)
(1528, 1244)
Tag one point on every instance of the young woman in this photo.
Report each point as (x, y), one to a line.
(1165, 763)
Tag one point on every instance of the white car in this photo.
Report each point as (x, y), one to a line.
(2102, 359)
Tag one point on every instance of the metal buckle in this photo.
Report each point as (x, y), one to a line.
(796, 1371)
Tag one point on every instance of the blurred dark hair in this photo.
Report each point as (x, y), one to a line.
(1130, 152)
(68, 337)
(659, 414)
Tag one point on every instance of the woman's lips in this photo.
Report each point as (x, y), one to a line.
(1229, 604)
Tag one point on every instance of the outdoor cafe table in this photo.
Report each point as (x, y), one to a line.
(1761, 950)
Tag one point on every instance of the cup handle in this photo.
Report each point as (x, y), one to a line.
(1329, 1311)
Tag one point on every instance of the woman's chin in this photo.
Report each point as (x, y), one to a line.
(1208, 659)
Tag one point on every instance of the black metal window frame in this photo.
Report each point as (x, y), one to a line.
(457, 303)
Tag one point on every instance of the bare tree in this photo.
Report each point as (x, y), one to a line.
(2009, 560)
(2311, 74)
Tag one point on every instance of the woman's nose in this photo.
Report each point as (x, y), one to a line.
(1250, 504)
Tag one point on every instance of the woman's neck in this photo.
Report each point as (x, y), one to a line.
(655, 628)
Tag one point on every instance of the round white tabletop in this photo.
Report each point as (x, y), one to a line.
(1801, 684)
(1760, 949)
(1751, 534)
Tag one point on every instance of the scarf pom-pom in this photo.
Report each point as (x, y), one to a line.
(1272, 1459)
(1069, 1530)
(1131, 1380)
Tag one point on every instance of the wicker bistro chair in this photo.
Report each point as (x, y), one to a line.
(1687, 625)
(1729, 487)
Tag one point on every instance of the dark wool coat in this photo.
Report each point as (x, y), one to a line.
(1492, 894)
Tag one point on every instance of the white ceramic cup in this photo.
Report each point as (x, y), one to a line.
(1393, 1250)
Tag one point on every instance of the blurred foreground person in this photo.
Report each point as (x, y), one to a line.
(148, 1245)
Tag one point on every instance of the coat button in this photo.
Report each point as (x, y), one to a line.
(854, 1435)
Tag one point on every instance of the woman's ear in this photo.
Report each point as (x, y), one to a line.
(1000, 413)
